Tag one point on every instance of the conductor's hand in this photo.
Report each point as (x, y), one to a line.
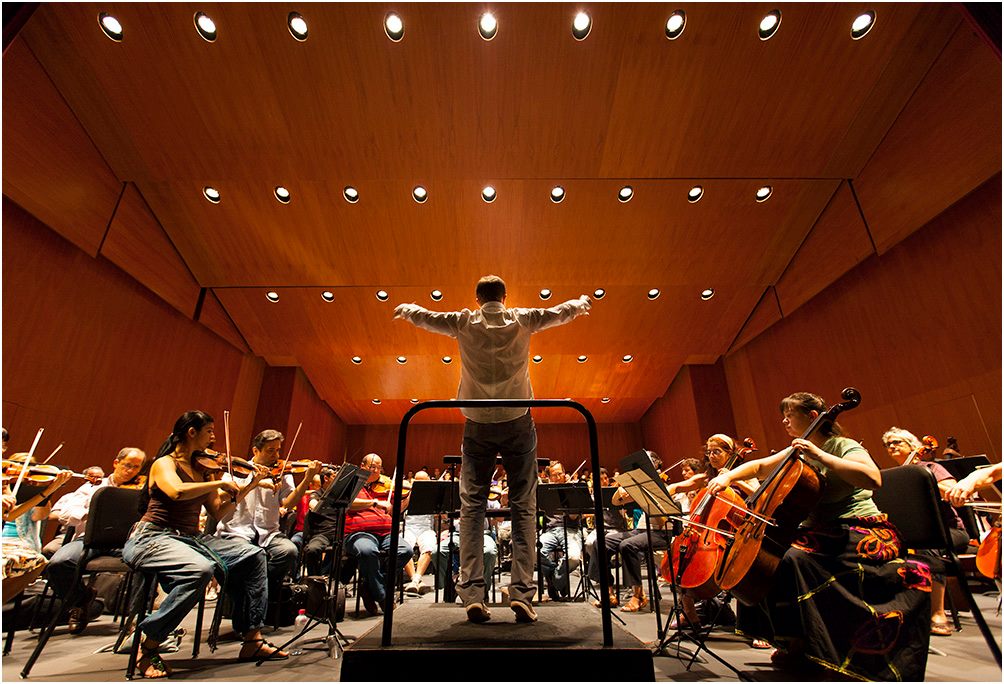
(402, 310)
(587, 303)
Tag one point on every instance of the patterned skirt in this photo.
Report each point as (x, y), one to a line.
(844, 598)
(19, 558)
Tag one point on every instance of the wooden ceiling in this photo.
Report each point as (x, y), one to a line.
(166, 113)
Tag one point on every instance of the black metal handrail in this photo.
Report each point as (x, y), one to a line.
(594, 455)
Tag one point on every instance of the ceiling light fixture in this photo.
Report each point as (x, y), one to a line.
(376, 401)
(447, 360)
(625, 193)
(605, 400)
(414, 401)
(538, 358)
(764, 193)
(351, 194)
(357, 360)
(205, 26)
(557, 194)
(488, 26)
(545, 294)
(582, 359)
(328, 296)
(675, 24)
(402, 360)
(420, 194)
(382, 295)
(110, 26)
(653, 293)
(862, 25)
(394, 27)
(707, 294)
(769, 24)
(282, 194)
(581, 26)
(297, 26)
(627, 358)
(436, 295)
(488, 194)
(599, 293)
(272, 296)
(211, 194)
(695, 194)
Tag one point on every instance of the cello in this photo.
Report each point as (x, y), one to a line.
(697, 550)
(776, 509)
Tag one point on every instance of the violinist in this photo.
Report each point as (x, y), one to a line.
(615, 527)
(71, 510)
(558, 528)
(903, 446)
(842, 598)
(167, 541)
(257, 516)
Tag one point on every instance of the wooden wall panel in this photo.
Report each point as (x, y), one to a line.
(216, 318)
(917, 330)
(839, 241)
(765, 314)
(50, 166)
(671, 426)
(946, 142)
(427, 444)
(96, 358)
(138, 245)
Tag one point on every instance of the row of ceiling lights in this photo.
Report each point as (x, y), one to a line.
(605, 400)
(420, 194)
(437, 295)
(447, 360)
(488, 25)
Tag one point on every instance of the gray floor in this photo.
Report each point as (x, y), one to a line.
(75, 658)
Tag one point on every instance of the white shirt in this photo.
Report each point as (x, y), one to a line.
(256, 517)
(494, 348)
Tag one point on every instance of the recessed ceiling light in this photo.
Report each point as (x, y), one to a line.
(205, 26)
(402, 360)
(382, 295)
(653, 293)
(764, 193)
(581, 25)
(272, 296)
(376, 401)
(605, 400)
(394, 27)
(436, 295)
(538, 358)
(707, 294)
(695, 193)
(328, 296)
(488, 194)
(357, 360)
(211, 194)
(599, 293)
(582, 359)
(297, 26)
(625, 193)
(111, 26)
(414, 401)
(862, 25)
(769, 24)
(351, 194)
(627, 358)
(545, 294)
(282, 194)
(447, 360)
(488, 26)
(420, 194)
(557, 194)
(675, 24)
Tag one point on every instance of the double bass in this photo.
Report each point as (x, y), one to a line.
(776, 509)
(697, 551)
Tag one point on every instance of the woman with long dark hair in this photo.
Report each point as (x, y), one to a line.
(167, 541)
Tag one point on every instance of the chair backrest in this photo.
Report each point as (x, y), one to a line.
(111, 515)
(909, 496)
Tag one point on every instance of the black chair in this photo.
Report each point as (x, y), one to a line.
(112, 512)
(909, 496)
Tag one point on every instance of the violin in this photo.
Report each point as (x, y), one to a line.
(383, 485)
(774, 512)
(696, 551)
(36, 475)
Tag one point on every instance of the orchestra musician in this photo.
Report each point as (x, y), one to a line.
(419, 531)
(557, 529)
(965, 488)
(842, 597)
(71, 510)
(167, 541)
(901, 445)
(495, 353)
(615, 527)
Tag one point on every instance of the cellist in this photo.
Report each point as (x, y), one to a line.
(842, 598)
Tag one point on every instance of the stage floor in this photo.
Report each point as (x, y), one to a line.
(73, 658)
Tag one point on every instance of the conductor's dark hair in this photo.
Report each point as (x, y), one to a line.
(490, 288)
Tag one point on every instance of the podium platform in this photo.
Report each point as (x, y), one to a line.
(565, 644)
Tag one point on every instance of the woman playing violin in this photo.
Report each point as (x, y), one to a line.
(841, 598)
(167, 541)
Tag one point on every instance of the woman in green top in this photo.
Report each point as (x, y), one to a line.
(842, 597)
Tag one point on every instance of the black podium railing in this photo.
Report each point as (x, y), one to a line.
(594, 455)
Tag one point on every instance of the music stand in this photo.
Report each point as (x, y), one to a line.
(436, 497)
(568, 498)
(334, 502)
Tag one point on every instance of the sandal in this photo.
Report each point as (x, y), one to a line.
(611, 600)
(941, 629)
(634, 605)
(761, 644)
(151, 662)
(260, 654)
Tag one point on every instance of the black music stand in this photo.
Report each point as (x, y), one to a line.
(436, 497)
(334, 502)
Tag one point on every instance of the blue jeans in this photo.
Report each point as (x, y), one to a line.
(490, 556)
(62, 570)
(552, 563)
(184, 565)
(365, 547)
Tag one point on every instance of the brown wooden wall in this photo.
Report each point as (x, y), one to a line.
(98, 359)
(917, 330)
(427, 444)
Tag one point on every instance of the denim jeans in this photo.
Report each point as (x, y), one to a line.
(184, 565)
(552, 561)
(62, 570)
(365, 547)
(442, 563)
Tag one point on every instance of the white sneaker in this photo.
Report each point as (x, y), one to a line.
(414, 586)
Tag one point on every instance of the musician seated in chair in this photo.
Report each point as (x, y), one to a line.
(904, 447)
(615, 529)
(489, 556)
(842, 597)
(419, 531)
(552, 543)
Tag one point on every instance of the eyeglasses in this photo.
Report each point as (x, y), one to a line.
(714, 450)
(894, 442)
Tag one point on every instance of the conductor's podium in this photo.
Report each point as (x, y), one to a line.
(565, 644)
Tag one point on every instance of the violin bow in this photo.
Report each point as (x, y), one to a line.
(289, 453)
(27, 461)
(672, 466)
(576, 470)
(226, 439)
(55, 451)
